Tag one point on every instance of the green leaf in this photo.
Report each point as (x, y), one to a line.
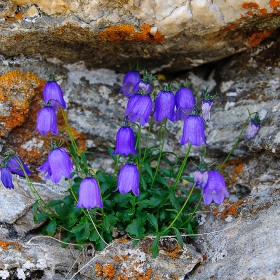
(51, 227)
(162, 181)
(109, 222)
(143, 183)
(152, 219)
(179, 237)
(187, 178)
(54, 203)
(110, 151)
(41, 217)
(148, 168)
(174, 201)
(155, 249)
(136, 228)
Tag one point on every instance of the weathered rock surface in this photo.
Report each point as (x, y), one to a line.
(173, 35)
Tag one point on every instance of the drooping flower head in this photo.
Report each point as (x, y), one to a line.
(145, 87)
(15, 164)
(185, 101)
(46, 121)
(129, 179)
(207, 103)
(200, 178)
(53, 95)
(139, 108)
(193, 131)
(253, 127)
(164, 106)
(58, 165)
(130, 83)
(125, 141)
(89, 194)
(206, 106)
(215, 189)
(6, 178)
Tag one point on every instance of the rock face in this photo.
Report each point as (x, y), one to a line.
(173, 35)
(88, 45)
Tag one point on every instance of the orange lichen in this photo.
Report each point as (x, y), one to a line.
(250, 5)
(258, 37)
(98, 269)
(274, 4)
(229, 27)
(175, 252)
(123, 240)
(105, 270)
(17, 17)
(230, 210)
(126, 32)
(235, 169)
(175, 277)
(215, 212)
(4, 245)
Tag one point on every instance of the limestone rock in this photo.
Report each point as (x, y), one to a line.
(173, 35)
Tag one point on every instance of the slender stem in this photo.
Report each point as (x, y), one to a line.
(96, 228)
(193, 212)
(234, 146)
(70, 132)
(116, 165)
(160, 151)
(179, 213)
(139, 140)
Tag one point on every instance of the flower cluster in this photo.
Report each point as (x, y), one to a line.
(12, 164)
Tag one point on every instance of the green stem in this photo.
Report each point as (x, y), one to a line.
(234, 146)
(193, 212)
(179, 213)
(70, 132)
(116, 165)
(160, 151)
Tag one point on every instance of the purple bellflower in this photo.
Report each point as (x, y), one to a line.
(193, 131)
(206, 106)
(125, 141)
(185, 101)
(46, 121)
(164, 106)
(129, 179)
(146, 87)
(200, 178)
(53, 95)
(130, 83)
(6, 178)
(252, 130)
(57, 165)
(253, 127)
(215, 189)
(139, 108)
(89, 194)
(14, 166)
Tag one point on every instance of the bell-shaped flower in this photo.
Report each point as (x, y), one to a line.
(46, 121)
(139, 108)
(125, 141)
(129, 179)
(252, 129)
(57, 165)
(215, 189)
(15, 164)
(6, 178)
(185, 101)
(200, 178)
(193, 131)
(53, 95)
(130, 83)
(145, 87)
(164, 106)
(89, 194)
(206, 106)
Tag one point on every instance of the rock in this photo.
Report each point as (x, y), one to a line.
(173, 35)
